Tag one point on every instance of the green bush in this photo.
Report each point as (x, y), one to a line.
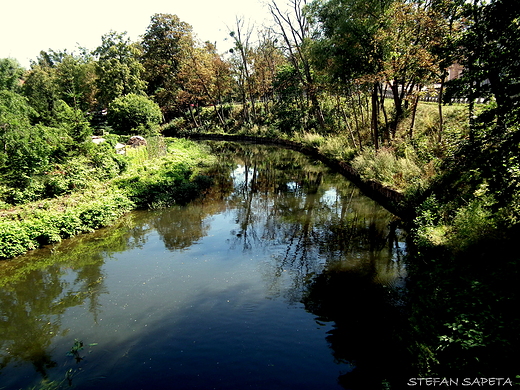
(134, 114)
(47, 227)
(14, 239)
(157, 181)
(102, 212)
(175, 127)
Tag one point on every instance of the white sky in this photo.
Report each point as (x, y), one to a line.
(29, 26)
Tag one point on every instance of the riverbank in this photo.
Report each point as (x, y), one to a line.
(393, 200)
(149, 181)
(461, 288)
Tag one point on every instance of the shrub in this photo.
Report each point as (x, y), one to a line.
(175, 127)
(14, 239)
(134, 113)
(338, 147)
(102, 212)
(46, 227)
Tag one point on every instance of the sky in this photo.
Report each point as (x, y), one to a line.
(29, 26)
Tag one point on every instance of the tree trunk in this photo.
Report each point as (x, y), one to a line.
(375, 112)
(439, 102)
(387, 129)
(398, 105)
(193, 116)
(414, 111)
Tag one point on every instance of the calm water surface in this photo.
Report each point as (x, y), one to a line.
(280, 278)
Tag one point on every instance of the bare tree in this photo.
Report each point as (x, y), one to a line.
(242, 49)
(294, 29)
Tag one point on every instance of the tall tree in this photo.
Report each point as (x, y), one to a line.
(295, 29)
(243, 61)
(346, 46)
(268, 58)
(61, 76)
(451, 12)
(76, 81)
(40, 86)
(409, 34)
(118, 68)
(488, 51)
(164, 47)
(202, 80)
(11, 73)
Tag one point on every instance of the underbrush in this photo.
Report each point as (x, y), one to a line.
(391, 170)
(34, 226)
(176, 177)
(158, 175)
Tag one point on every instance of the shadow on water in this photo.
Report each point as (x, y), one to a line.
(233, 280)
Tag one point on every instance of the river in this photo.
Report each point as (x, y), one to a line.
(282, 276)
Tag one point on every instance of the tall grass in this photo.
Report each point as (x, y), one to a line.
(390, 170)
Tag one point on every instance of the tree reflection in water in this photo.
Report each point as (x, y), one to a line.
(35, 294)
(329, 248)
(336, 258)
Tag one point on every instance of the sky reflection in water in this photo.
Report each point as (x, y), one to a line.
(276, 279)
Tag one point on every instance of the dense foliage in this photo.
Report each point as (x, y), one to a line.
(134, 114)
(151, 176)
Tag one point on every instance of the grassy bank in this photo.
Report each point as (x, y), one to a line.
(157, 175)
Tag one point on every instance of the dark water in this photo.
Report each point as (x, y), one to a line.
(283, 277)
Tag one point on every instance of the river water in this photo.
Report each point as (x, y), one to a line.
(283, 276)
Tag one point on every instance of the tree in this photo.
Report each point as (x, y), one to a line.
(204, 78)
(40, 87)
(11, 73)
(61, 76)
(294, 29)
(118, 68)
(489, 53)
(164, 47)
(73, 121)
(451, 12)
(243, 64)
(267, 59)
(24, 149)
(346, 47)
(76, 81)
(408, 36)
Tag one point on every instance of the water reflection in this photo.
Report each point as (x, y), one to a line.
(286, 200)
(314, 241)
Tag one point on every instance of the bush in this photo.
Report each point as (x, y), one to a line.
(47, 227)
(134, 114)
(175, 127)
(14, 239)
(160, 180)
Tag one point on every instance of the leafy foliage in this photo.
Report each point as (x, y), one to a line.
(11, 73)
(118, 69)
(25, 150)
(134, 114)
